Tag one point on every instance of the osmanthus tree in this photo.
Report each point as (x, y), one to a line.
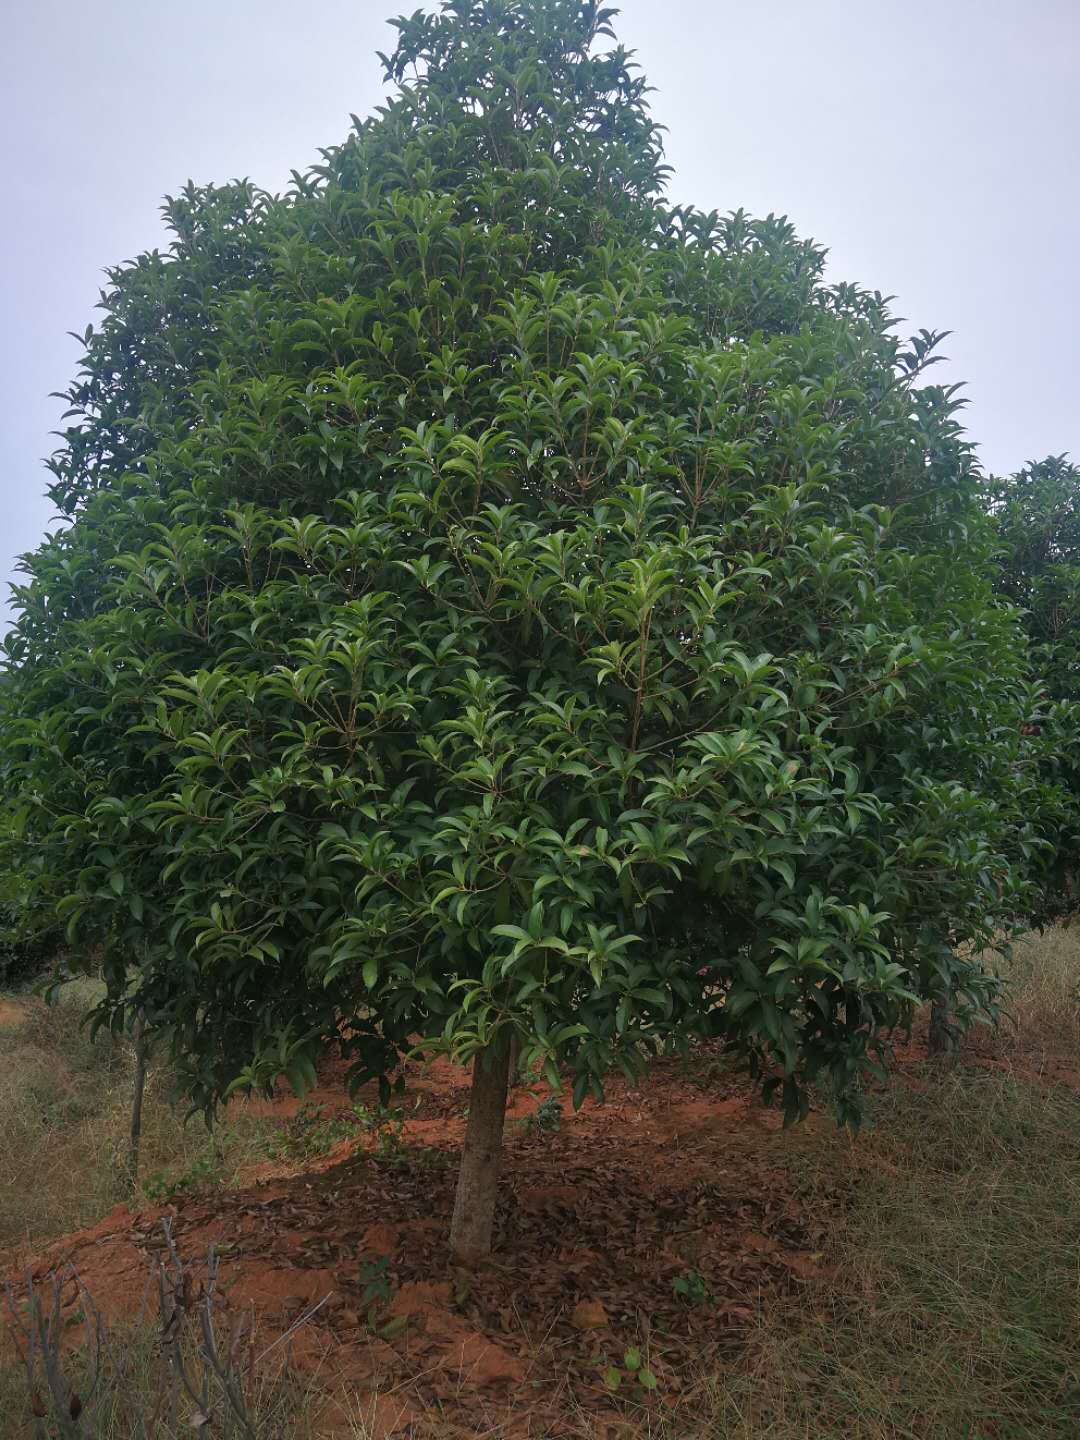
(498, 603)
(1037, 516)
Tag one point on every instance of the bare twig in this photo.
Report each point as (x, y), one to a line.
(217, 1375)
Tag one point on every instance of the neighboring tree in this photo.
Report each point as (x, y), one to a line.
(1037, 514)
(499, 605)
(26, 948)
(30, 935)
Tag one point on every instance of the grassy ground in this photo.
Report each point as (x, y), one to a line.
(954, 1311)
(1044, 1003)
(951, 1310)
(64, 1119)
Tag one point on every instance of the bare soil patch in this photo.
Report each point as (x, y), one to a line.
(13, 1014)
(597, 1220)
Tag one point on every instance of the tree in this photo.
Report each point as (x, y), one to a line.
(30, 936)
(1037, 514)
(500, 604)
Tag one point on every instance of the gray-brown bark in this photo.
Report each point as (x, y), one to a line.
(478, 1177)
(938, 1039)
(139, 1086)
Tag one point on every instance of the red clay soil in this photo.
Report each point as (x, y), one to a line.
(686, 1176)
(595, 1222)
(12, 1014)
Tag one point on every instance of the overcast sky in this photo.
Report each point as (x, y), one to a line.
(932, 146)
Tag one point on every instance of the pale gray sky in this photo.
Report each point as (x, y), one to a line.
(931, 146)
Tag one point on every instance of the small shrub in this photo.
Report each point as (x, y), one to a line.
(547, 1117)
(202, 1172)
(690, 1287)
(633, 1371)
(312, 1132)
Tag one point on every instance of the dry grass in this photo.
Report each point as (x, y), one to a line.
(955, 1309)
(64, 1117)
(132, 1400)
(1044, 1001)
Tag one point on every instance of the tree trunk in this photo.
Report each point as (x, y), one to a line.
(478, 1178)
(139, 1037)
(938, 1042)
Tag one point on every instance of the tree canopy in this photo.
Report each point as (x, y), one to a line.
(1037, 515)
(498, 601)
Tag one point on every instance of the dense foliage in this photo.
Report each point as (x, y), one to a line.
(30, 935)
(1037, 514)
(25, 951)
(496, 599)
